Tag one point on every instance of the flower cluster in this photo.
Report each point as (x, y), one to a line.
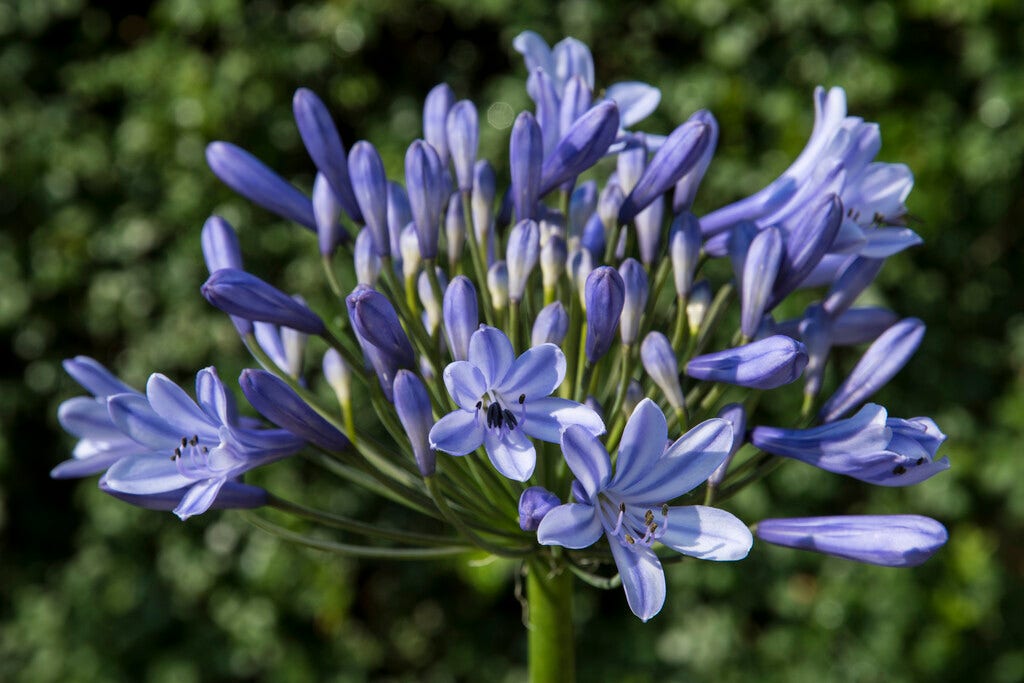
(535, 324)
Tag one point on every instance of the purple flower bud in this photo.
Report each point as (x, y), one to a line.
(542, 91)
(455, 229)
(374, 318)
(370, 184)
(608, 203)
(631, 162)
(582, 145)
(435, 118)
(241, 294)
(648, 230)
(697, 305)
(551, 325)
(431, 304)
(553, 255)
(737, 417)
(463, 140)
(764, 364)
(525, 158)
(327, 211)
(680, 153)
(250, 177)
(605, 295)
(684, 242)
(366, 260)
(534, 503)
(686, 188)
(576, 100)
(877, 366)
(461, 316)
(279, 403)
(497, 285)
(399, 216)
(521, 256)
(220, 245)
(427, 189)
(852, 280)
(413, 407)
(593, 238)
(338, 375)
(482, 202)
(634, 279)
(886, 540)
(659, 360)
(582, 205)
(320, 136)
(811, 237)
(760, 268)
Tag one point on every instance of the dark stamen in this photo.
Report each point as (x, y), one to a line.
(195, 440)
(510, 419)
(494, 416)
(522, 399)
(899, 469)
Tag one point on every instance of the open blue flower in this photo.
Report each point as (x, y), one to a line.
(194, 447)
(503, 400)
(631, 507)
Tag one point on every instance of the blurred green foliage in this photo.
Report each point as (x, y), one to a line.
(104, 114)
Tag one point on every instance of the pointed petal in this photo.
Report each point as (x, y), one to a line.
(636, 101)
(87, 466)
(214, 399)
(545, 418)
(642, 577)
(491, 352)
(465, 384)
(170, 402)
(686, 463)
(884, 242)
(199, 498)
(511, 453)
(95, 378)
(571, 526)
(87, 418)
(457, 433)
(146, 474)
(706, 533)
(535, 374)
(133, 416)
(587, 458)
(643, 442)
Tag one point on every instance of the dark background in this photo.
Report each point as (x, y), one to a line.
(103, 189)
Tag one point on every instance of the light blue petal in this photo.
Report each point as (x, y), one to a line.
(95, 378)
(491, 352)
(642, 577)
(146, 474)
(587, 458)
(94, 464)
(636, 101)
(686, 463)
(511, 453)
(884, 242)
(545, 418)
(87, 418)
(199, 498)
(172, 404)
(214, 399)
(535, 374)
(706, 533)
(465, 383)
(571, 526)
(133, 416)
(457, 433)
(535, 52)
(643, 442)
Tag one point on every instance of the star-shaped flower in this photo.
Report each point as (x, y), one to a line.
(503, 400)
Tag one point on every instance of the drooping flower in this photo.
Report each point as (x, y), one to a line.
(502, 400)
(631, 508)
(193, 446)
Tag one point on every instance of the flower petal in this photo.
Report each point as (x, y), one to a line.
(636, 100)
(511, 453)
(172, 404)
(536, 373)
(199, 498)
(545, 418)
(465, 383)
(642, 577)
(574, 525)
(491, 352)
(133, 415)
(146, 474)
(706, 533)
(87, 418)
(216, 402)
(95, 378)
(643, 442)
(686, 463)
(457, 433)
(587, 458)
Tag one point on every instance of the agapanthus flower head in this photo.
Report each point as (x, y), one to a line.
(503, 400)
(630, 507)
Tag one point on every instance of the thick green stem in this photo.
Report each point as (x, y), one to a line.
(549, 623)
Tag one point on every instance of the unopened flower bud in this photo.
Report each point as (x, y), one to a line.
(605, 296)
(413, 407)
(551, 325)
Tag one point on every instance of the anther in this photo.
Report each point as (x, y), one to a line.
(522, 399)
(195, 440)
(648, 518)
(899, 469)
(479, 405)
(184, 442)
(630, 539)
(664, 509)
(494, 416)
(510, 419)
(920, 461)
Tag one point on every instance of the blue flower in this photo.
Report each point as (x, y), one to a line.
(503, 400)
(195, 447)
(631, 507)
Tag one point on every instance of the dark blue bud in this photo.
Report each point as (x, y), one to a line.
(426, 186)
(534, 503)
(463, 139)
(238, 293)
(376, 321)
(605, 296)
(680, 153)
(765, 364)
(526, 157)
(279, 403)
(461, 315)
(581, 146)
(686, 188)
(370, 184)
(412, 403)
(320, 136)
(220, 245)
(250, 177)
